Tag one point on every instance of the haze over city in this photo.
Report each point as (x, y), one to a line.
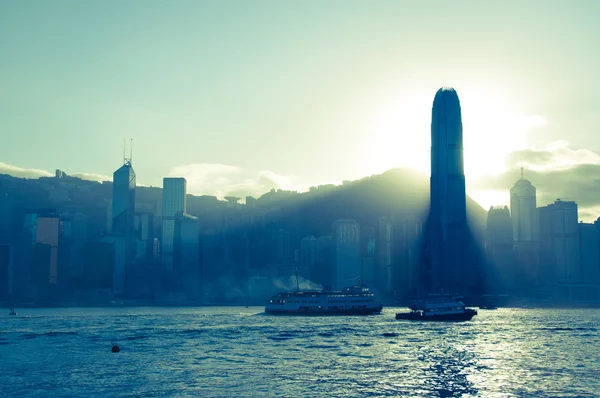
(312, 198)
(242, 97)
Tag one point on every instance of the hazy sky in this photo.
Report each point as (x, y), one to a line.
(249, 95)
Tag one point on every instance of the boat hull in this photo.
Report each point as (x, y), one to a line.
(467, 315)
(323, 312)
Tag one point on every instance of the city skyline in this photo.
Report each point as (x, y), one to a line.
(185, 84)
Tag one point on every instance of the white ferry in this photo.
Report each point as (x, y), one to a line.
(353, 300)
(440, 308)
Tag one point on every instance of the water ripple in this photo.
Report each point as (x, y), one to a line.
(227, 351)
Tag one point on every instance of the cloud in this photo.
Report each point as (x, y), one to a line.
(557, 171)
(224, 180)
(92, 177)
(20, 172)
(557, 155)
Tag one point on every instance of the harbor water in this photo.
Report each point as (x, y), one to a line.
(241, 352)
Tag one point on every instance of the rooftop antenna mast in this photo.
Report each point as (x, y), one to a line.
(522, 171)
(127, 160)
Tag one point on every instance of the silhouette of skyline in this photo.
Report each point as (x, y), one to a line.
(211, 99)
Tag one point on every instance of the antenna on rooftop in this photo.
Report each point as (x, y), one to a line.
(127, 160)
(522, 171)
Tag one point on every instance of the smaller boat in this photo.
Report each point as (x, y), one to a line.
(488, 307)
(13, 311)
(438, 308)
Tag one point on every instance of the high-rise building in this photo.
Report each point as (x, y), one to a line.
(447, 266)
(173, 202)
(559, 245)
(589, 254)
(6, 271)
(527, 272)
(47, 233)
(119, 249)
(347, 268)
(123, 206)
(523, 211)
(499, 273)
(144, 233)
(186, 254)
(308, 250)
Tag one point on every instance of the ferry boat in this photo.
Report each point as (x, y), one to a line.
(440, 308)
(353, 300)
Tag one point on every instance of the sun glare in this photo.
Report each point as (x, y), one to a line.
(400, 135)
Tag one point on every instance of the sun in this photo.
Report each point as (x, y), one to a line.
(491, 130)
(399, 134)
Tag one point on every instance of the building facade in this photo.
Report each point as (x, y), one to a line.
(173, 202)
(347, 269)
(559, 246)
(448, 267)
(499, 272)
(123, 207)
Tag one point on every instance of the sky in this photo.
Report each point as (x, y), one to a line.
(245, 96)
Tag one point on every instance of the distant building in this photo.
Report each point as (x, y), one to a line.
(523, 211)
(186, 255)
(6, 218)
(144, 233)
(499, 273)
(525, 227)
(347, 268)
(174, 201)
(589, 254)
(119, 250)
(30, 227)
(559, 246)
(308, 251)
(123, 206)
(386, 256)
(47, 233)
(6, 271)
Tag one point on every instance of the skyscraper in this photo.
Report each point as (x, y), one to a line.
(123, 205)
(47, 233)
(499, 273)
(523, 211)
(559, 241)
(174, 201)
(447, 221)
(525, 235)
(347, 267)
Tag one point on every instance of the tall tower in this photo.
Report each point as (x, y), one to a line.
(523, 210)
(123, 205)
(528, 274)
(174, 202)
(447, 216)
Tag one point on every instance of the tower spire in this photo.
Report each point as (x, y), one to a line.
(127, 160)
(522, 171)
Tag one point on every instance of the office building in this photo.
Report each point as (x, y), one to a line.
(123, 206)
(173, 202)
